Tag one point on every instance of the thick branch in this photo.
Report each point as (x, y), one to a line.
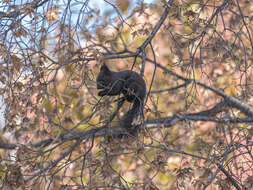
(231, 101)
(230, 178)
(207, 115)
(4, 145)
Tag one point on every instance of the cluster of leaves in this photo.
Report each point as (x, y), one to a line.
(196, 57)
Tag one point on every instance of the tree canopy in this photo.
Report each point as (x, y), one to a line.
(196, 58)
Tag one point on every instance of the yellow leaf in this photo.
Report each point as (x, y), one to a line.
(187, 30)
(163, 178)
(52, 15)
(123, 5)
(47, 105)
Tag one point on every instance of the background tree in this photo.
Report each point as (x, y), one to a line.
(196, 58)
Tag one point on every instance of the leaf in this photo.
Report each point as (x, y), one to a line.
(47, 105)
(52, 14)
(21, 32)
(123, 5)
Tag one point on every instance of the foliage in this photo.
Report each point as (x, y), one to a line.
(196, 58)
